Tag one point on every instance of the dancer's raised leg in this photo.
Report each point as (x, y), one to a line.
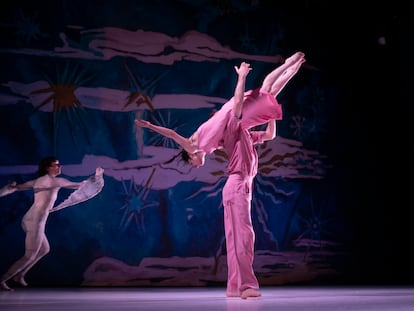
(288, 74)
(277, 79)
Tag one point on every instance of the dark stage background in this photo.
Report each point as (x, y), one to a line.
(331, 203)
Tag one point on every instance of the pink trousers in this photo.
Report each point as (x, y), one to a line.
(240, 237)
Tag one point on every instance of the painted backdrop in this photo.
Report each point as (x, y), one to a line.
(76, 74)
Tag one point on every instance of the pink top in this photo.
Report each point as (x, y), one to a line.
(258, 108)
(239, 144)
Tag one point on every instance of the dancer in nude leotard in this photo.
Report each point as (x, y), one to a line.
(46, 188)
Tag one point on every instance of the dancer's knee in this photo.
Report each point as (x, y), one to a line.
(44, 251)
(30, 256)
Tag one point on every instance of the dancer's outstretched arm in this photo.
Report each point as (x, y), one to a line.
(185, 143)
(24, 186)
(242, 73)
(88, 189)
(12, 187)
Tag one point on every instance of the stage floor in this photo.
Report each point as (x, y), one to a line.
(292, 298)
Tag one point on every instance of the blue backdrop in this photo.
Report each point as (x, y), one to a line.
(74, 76)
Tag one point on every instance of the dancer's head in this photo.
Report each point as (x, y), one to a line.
(196, 159)
(49, 165)
(185, 156)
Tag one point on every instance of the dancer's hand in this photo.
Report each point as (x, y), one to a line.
(243, 70)
(8, 189)
(11, 185)
(99, 171)
(142, 123)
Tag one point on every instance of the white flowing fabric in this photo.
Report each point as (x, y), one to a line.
(90, 188)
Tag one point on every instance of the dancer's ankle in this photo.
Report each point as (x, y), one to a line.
(20, 280)
(4, 286)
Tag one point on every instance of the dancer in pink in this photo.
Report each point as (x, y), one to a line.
(230, 128)
(45, 188)
(260, 106)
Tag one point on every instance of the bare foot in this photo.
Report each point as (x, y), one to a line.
(5, 287)
(297, 57)
(250, 292)
(232, 294)
(20, 280)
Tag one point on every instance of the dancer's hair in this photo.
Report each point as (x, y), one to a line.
(182, 154)
(44, 164)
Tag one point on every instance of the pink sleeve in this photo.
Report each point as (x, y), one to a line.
(257, 137)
